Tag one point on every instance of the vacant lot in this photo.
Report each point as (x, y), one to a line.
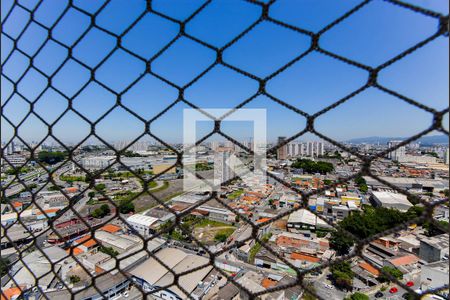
(146, 201)
(209, 232)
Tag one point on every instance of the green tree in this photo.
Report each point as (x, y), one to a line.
(358, 296)
(432, 229)
(126, 207)
(394, 272)
(100, 187)
(101, 212)
(342, 275)
(310, 166)
(220, 237)
(164, 227)
(340, 242)
(445, 192)
(51, 158)
(74, 279)
(91, 194)
(108, 250)
(4, 266)
(415, 211)
(327, 182)
(360, 180)
(363, 188)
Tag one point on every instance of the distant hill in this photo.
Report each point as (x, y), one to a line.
(426, 140)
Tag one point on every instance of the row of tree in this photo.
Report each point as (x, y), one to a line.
(310, 166)
(368, 223)
(51, 157)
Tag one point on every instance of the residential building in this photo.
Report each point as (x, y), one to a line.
(446, 157)
(398, 153)
(224, 163)
(315, 148)
(282, 152)
(433, 249)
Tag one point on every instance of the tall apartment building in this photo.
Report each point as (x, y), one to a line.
(282, 151)
(315, 149)
(223, 165)
(311, 149)
(214, 145)
(446, 157)
(397, 154)
(295, 149)
(11, 148)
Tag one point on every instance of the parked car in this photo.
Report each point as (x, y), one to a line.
(393, 290)
(379, 294)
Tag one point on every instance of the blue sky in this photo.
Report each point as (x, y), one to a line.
(372, 36)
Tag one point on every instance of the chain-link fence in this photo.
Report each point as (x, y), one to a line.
(299, 278)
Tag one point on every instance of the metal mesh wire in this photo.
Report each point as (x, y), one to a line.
(265, 16)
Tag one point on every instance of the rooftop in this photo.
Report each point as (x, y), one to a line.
(110, 228)
(118, 241)
(304, 216)
(439, 241)
(178, 261)
(391, 198)
(142, 220)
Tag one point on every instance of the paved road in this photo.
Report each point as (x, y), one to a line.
(322, 286)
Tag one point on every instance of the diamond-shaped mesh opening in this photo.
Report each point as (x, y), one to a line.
(88, 102)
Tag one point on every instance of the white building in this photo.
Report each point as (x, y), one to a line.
(304, 219)
(11, 148)
(419, 159)
(15, 160)
(397, 154)
(224, 162)
(97, 162)
(446, 157)
(391, 200)
(315, 149)
(214, 145)
(141, 223)
(434, 275)
(295, 149)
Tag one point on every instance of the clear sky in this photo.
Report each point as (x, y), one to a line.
(372, 36)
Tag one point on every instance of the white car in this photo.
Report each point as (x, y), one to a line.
(329, 286)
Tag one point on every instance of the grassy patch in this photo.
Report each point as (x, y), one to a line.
(161, 188)
(257, 247)
(235, 194)
(223, 234)
(199, 223)
(69, 178)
